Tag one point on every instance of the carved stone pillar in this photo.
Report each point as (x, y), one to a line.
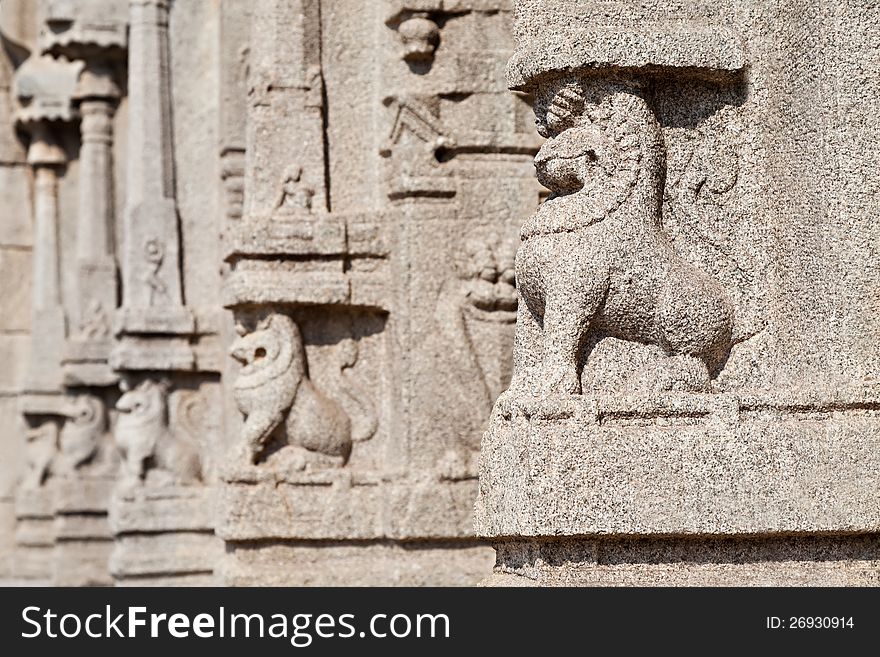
(153, 322)
(90, 341)
(160, 513)
(674, 416)
(44, 89)
(371, 277)
(92, 33)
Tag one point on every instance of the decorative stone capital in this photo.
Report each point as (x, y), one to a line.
(44, 88)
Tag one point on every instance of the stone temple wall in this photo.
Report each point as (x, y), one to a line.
(272, 270)
(256, 299)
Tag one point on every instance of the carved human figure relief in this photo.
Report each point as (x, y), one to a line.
(95, 322)
(154, 255)
(295, 197)
(274, 392)
(594, 256)
(82, 434)
(145, 440)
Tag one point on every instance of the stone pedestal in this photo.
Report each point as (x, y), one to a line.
(83, 540)
(164, 536)
(685, 489)
(34, 535)
(695, 397)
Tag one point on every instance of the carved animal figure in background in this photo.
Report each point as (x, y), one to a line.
(274, 392)
(82, 433)
(594, 256)
(42, 447)
(146, 441)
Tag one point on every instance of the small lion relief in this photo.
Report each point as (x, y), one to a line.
(595, 258)
(283, 406)
(40, 453)
(84, 442)
(146, 442)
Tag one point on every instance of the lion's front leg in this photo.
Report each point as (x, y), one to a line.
(568, 314)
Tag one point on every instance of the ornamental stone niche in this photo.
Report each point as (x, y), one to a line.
(694, 397)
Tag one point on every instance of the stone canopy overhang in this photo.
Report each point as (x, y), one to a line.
(679, 47)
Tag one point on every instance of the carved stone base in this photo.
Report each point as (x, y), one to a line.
(335, 505)
(787, 462)
(34, 535)
(82, 561)
(754, 561)
(163, 536)
(83, 540)
(684, 489)
(343, 563)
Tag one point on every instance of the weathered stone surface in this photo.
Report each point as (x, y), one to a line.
(690, 403)
(261, 296)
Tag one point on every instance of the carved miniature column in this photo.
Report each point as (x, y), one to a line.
(44, 88)
(88, 349)
(153, 322)
(674, 416)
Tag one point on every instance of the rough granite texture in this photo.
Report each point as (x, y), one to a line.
(268, 267)
(694, 398)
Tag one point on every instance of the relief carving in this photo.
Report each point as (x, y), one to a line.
(475, 316)
(295, 196)
(420, 37)
(146, 441)
(594, 256)
(703, 218)
(154, 254)
(95, 322)
(42, 447)
(278, 398)
(81, 436)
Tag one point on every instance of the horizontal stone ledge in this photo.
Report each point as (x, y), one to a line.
(353, 509)
(155, 320)
(82, 528)
(78, 495)
(173, 553)
(360, 234)
(51, 403)
(35, 532)
(34, 502)
(681, 46)
(559, 475)
(281, 287)
(852, 560)
(154, 353)
(89, 374)
(157, 509)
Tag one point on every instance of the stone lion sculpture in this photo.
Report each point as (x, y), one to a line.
(274, 392)
(594, 256)
(145, 440)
